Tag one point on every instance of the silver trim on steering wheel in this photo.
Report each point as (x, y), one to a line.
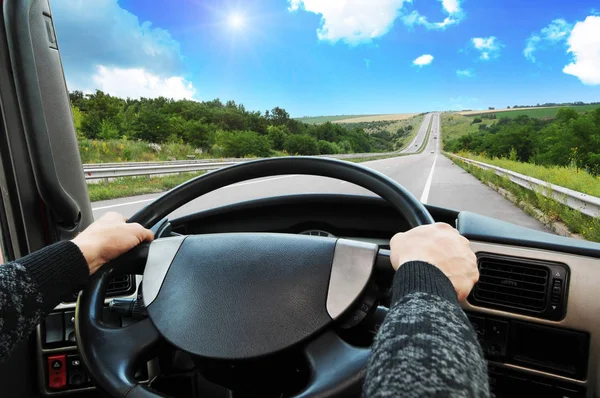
(161, 255)
(353, 263)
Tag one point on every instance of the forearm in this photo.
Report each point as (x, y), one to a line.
(33, 285)
(426, 345)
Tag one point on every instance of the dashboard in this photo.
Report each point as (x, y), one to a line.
(536, 309)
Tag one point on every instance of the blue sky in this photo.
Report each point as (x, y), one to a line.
(317, 57)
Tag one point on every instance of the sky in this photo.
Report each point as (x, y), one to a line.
(335, 57)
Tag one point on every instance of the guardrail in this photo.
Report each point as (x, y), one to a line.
(586, 204)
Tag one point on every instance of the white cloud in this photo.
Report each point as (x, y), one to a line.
(137, 82)
(450, 7)
(557, 31)
(100, 32)
(488, 47)
(584, 45)
(465, 73)
(353, 21)
(423, 60)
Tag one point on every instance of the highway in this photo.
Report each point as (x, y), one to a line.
(430, 176)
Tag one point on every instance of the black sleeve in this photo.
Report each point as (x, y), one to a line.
(426, 346)
(33, 285)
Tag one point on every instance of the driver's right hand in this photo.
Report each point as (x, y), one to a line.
(442, 246)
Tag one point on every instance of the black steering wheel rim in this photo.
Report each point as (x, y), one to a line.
(97, 342)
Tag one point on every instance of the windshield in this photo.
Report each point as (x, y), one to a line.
(447, 97)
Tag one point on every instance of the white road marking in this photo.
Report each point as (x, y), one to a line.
(425, 195)
(123, 204)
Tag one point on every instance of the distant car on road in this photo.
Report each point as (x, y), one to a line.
(432, 151)
(435, 138)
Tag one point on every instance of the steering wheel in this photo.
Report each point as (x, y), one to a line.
(238, 296)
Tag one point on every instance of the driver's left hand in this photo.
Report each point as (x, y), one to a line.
(109, 237)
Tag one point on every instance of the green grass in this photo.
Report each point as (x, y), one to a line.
(324, 119)
(568, 177)
(132, 186)
(542, 113)
(454, 125)
(587, 227)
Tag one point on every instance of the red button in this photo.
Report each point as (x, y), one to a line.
(57, 371)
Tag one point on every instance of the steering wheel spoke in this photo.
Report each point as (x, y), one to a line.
(336, 366)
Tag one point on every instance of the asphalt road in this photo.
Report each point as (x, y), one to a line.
(429, 176)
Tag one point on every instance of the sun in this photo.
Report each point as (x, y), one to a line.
(236, 21)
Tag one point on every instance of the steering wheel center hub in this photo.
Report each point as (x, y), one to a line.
(239, 296)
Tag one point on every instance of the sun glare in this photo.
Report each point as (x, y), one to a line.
(236, 21)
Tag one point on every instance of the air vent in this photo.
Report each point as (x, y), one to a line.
(520, 285)
(317, 232)
(120, 285)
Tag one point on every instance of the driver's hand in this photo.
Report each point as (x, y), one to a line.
(109, 237)
(442, 246)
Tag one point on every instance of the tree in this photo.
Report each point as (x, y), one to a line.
(327, 148)
(301, 145)
(240, 144)
(277, 136)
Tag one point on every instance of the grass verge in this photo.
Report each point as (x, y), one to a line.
(568, 177)
(530, 201)
(132, 186)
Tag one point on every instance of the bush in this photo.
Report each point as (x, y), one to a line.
(327, 148)
(477, 120)
(301, 145)
(239, 144)
(277, 136)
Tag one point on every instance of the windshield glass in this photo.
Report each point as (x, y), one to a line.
(447, 97)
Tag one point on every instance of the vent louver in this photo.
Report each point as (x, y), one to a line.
(521, 285)
(120, 285)
(512, 283)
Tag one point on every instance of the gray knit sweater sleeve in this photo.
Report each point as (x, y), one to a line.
(426, 346)
(33, 285)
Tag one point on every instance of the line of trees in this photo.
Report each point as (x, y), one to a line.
(226, 129)
(571, 139)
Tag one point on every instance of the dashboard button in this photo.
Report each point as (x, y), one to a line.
(53, 329)
(57, 371)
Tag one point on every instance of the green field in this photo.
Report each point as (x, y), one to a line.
(541, 113)
(454, 125)
(324, 119)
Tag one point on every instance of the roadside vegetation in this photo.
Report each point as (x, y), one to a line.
(564, 176)
(571, 139)
(530, 201)
(542, 113)
(395, 134)
(132, 186)
(112, 129)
